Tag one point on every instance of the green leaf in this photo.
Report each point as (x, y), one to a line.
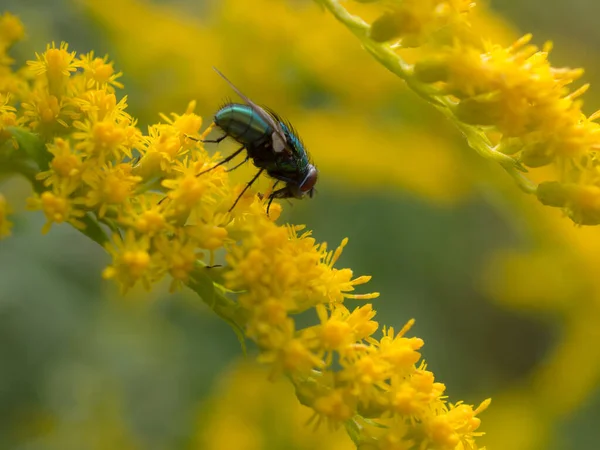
(202, 283)
(353, 430)
(31, 145)
(93, 230)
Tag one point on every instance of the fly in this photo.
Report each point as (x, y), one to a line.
(270, 142)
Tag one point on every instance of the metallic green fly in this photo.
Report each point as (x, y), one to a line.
(270, 142)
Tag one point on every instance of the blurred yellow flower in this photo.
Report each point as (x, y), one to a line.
(58, 207)
(509, 102)
(5, 224)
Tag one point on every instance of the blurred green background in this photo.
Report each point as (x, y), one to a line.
(81, 367)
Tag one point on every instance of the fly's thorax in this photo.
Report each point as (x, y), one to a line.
(243, 124)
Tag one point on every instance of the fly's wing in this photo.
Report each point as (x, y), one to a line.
(279, 140)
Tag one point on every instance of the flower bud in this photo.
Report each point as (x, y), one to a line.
(536, 155)
(431, 70)
(391, 25)
(478, 112)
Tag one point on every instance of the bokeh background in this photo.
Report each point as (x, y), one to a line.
(505, 292)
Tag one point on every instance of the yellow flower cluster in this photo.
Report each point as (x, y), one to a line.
(97, 171)
(414, 21)
(510, 103)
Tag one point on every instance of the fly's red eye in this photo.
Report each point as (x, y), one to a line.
(310, 180)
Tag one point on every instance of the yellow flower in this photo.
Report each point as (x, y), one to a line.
(334, 406)
(46, 112)
(179, 256)
(5, 224)
(187, 191)
(8, 116)
(210, 236)
(457, 426)
(101, 104)
(56, 64)
(109, 186)
(414, 21)
(103, 140)
(132, 261)
(188, 123)
(11, 29)
(517, 90)
(58, 207)
(66, 166)
(511, 104)
(99, 72)
(415, 395)
(148, 216)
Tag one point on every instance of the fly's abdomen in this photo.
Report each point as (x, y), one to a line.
(242, 124)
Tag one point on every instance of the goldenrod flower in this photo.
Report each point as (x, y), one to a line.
(414, 21)
(11, 29)
(8, 117)
(132, 261)
(99, 72)
(46, 113)
(58, 207)
(57, 64)
(103, 140)
(188, 123)
(148, 217)
(109, 186)
(100, 172)
(66, 165)
(101, 104)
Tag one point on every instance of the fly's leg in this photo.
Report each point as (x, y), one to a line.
(211, 141)
(272, 196)
(226, 160)
(206, 133)
(206, 141)
(235, 167)
(250, 183)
